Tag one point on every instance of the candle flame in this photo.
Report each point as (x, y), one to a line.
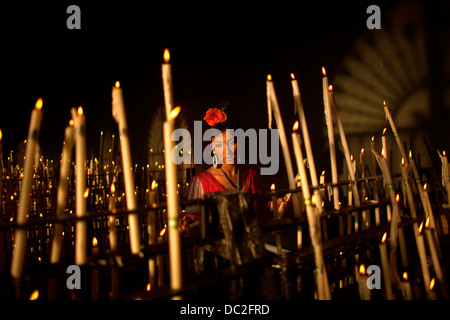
(410, 154)
(362, 151)
(292, 76)
(272, 187)
(174, 113)
(162, 232)
(443, 153)
(330, 88)
(425, 186)
(427, 223)
(397, 197)
(71, 122)
(1, 135)
(382, 152)
(403, 161)
(80, 111)
(323, 172)
(405, 276)
(351, 157)
(166, 55)
(314, 200)
(34, 295)
(39, 103)
(432, 283)
(373, 139)
(383, 239)
(269, 77)
(324, 72)
(384, 130)
(117, 84)
(362, 269)
(86, 193)
(420, 227)
(113, 188)
(295, 127)
(94, 242)
(384, 103)
(149, 286)
(153, 186)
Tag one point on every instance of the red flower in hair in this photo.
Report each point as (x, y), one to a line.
(214, 116)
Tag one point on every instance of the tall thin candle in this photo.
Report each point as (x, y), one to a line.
(166, 70)
(118, 112)
(20, 234)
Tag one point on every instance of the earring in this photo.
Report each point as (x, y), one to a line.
(215, 160)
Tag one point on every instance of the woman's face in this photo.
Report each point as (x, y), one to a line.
(225, 147)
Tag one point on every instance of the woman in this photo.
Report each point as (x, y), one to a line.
(225, 173)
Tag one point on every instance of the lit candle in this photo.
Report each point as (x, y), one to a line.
(435, 260)
(63, 186)
(166, 70)
(385, 267)
(331, 142)
(307, 141)
(429, 214)
(95, 271)
(20, 235)
(313, 216)
(344, 143)
(423, 257)
(394, 130)
(284, 145)
(80, 185)
(151, 229)
(118, 112)
(112, 219)
(375, 182)
(445, 174)
(383, 143)
(172, 203)
(361, 278)
(405, 286)
(276, 217)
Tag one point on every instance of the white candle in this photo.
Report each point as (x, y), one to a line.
(435, 260)
(386, 268)
(331, 142)
(284, 146)
(112, 219)
(307, 141)
(20, 235)
(445, 174)
(63, 185)
(361, 278)
(383, 143)
(375, 182)
(344, 144)
(405, 286)
(172, 203)
(313, 216)
(118, 112)
(80, 185)
(166, 70)
(423, 258)
(151, 228)
(394, 130)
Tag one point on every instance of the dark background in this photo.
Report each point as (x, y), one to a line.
(221, 53)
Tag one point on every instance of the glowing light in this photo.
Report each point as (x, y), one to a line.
(410, 154)
(269, 77)
(117, 84)
(403, 161)
(0, 134)
(373, 139)
(292, 76)
(174, 113)
(324, 72)
(330, 88)
(432, 283)
(383, 239)
(166, 55)
(405, 276)
(420, 227)
(382, 152)
(362, 269)
(149, 286)
(94, 242)
(397, 198)
(384, 130)
(80, 111)
(425, 186)
(362, 151)
(163, 231)
(153, 186)
(39, 103)
(71, 122)
(113, 188)
(295, 127)
(427, 223)
(272, 187)
(34, 295)
(86, 193)
(314, 200)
